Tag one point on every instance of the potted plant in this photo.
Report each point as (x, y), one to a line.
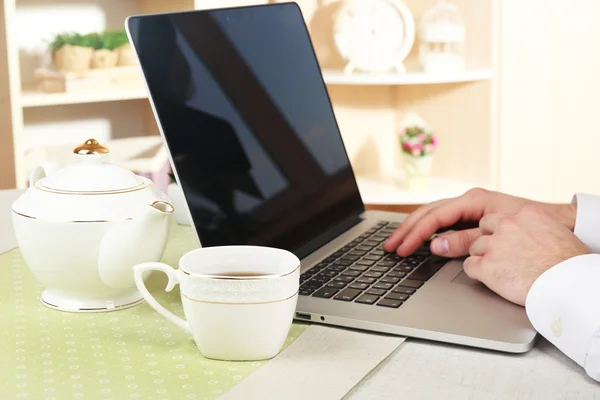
(72, 52)
(106, 54)
(418, 145)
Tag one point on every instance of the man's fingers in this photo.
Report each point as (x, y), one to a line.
(489, 223)
(444, 215)
(455, 244)
(480, 246)
(397, 237)
(472, 267)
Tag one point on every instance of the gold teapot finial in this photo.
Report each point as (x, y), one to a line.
(90, 146)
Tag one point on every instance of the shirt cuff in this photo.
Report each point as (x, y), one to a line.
(562, 305)
(587, 222)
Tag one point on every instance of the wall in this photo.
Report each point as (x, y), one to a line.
(548, 86)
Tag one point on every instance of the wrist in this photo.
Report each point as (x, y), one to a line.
(566, 214)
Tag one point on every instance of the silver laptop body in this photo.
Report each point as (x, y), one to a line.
(442, 305)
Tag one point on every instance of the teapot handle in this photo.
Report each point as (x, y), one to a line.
(42, 171)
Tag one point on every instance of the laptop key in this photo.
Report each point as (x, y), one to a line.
(403, 269)
(373, 275)
(359, 286)
(370, 242)
(396, 274)
(364, 279)
(367, 299)
(328, 273)
(336, 285)
(347, 294)
(372, 257)
(384, 286)
(345, 279)
(388, 279)
(337, 268)
(363, 247)
(386, 264)
(357, 253)
(397, 296)
(368, 263)
(404, 290)
(380, 269)
(325, 293)
(390, 303)
(378, 253)
(393, 224)
(428, 269)
(353, 274)
(375, 292)
(359, 268)
(350, 258)
(306, 292)
(411, 283)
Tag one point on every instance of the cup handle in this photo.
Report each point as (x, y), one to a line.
(138, 276)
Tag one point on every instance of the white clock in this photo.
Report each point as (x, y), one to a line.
(374, 35)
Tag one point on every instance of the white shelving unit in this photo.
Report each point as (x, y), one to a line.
(380, 192)
(409, 78)
(34, 98)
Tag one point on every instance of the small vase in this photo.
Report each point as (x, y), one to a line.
(73, 58)
(181, 213)
(417, 172)
(104, 58)
(126, 56)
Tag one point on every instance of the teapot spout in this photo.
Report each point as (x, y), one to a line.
(143, 239)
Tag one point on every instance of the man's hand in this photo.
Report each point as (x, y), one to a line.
(514, 251)
(468, 208)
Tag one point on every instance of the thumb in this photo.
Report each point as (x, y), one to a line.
(455, 244)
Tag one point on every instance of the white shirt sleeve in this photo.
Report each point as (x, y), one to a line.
(587, 223)
(563, 302)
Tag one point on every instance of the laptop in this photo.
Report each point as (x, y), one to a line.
(241, 104)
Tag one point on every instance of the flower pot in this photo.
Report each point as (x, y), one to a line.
(71, 58)
(181, 213)
(104, 58)
(126, 55)
(417, 172)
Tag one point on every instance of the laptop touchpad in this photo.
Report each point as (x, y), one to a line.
(463, 279)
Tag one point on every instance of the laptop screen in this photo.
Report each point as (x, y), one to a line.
(249, 124)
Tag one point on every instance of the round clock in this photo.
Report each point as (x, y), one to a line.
(374, 35)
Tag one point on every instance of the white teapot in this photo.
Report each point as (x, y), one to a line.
(82, 228)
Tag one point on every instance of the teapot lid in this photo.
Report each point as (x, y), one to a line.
(92, 174)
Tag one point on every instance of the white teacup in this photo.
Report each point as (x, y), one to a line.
(239, 301)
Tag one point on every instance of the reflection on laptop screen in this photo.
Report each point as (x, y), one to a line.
(247, 119)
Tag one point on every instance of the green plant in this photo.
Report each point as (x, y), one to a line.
(114, 39)
(92, 40)
(110, 40)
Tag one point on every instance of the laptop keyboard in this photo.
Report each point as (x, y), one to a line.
(362, 272)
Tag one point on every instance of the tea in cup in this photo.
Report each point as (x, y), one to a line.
(238, 301)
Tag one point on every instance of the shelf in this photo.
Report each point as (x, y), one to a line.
(410, 78)
(32, 98)
(378, 192)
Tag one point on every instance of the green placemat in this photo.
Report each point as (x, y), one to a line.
(127, 354)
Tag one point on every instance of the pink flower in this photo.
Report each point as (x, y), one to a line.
(429, 148)
(422, 137)
(434, 140)
(402, 131)
(406, 145)
(417, 146)
(416, 152)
